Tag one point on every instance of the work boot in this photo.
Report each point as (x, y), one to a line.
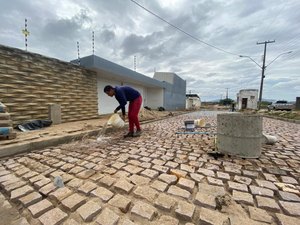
(129, 134)
(137, 133)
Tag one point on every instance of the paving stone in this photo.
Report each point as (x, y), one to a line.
(108, 181)
(187, 168)
(186, 184)
(259, 215)
(158, 162)
(205, 200)
(107, 217)
(243, 180)
(249, 173)
(76, 170)
(123, 186)
(291, 208)
(30, 199)
(85, 174)
(20, 192)
(144, 210)
(96, 177)
(10, 187)
(75, 183)
(288, 187)
(287, 220)
(53, 217)
(289, 180)
(121, 174)
(211, 189)
(237, 186)
(166, 220)
(238, 220)
(103, 193)
(212, 217)
(145, 192)
(7, 177)
(196, 177)
(267, 204)
(39, 184)
(73, 202)
(214, 181)
(87, 187)
(167, 178)
(139, 180)
(120, 202)
(162, 169)
(60, 194)
(261, 191)
(288, 196)
(29, 175)
(36, 178)
(40, 208)
(164, 202)
(178, 173)
(89, 210)
(21, 221)
(159, 185)
(266, 184)
(242, 197)
(48, 189)
(270, 177)
(150, 173)
(171, 164)
(232, 170)
(223, 176)
(174, 190)
(118, 165)
(127, 222)
(22, 171)
(206, 172)
(132, 169)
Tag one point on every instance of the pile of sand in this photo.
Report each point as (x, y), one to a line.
(151, 114)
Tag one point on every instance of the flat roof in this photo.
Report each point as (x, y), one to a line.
(113, 71)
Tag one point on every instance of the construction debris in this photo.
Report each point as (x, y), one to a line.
(6, 125)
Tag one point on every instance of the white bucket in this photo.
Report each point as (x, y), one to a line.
(116, 121)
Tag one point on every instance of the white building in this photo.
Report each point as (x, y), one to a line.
(192, 101)
(164, 90)
(247, 99)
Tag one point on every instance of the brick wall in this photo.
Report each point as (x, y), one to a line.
(30, 82)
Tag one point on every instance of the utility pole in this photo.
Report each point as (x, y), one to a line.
(227, 93)
(134, 62)
(263, 70)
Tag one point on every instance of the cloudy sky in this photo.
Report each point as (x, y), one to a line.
(205, 52)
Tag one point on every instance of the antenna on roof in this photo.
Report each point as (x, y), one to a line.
(134, 63)
(26, 33)
(78, 53)
(93, 42)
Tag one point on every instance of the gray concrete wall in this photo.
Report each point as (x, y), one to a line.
(297, 103)
(174, 90)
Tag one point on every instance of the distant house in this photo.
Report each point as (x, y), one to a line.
(165, 90)
(247, 99)
(192, 101)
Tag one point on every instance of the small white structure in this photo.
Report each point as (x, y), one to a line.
(247, 99)
(192, 101)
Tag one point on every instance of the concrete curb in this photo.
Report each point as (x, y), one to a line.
(283, 119)
(51, 141)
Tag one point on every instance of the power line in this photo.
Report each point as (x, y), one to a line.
(186, 33)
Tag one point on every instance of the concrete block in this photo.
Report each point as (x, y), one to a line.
(55, 113)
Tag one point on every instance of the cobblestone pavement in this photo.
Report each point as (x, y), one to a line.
(159, 178)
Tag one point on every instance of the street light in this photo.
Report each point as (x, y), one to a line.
(263, 68)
